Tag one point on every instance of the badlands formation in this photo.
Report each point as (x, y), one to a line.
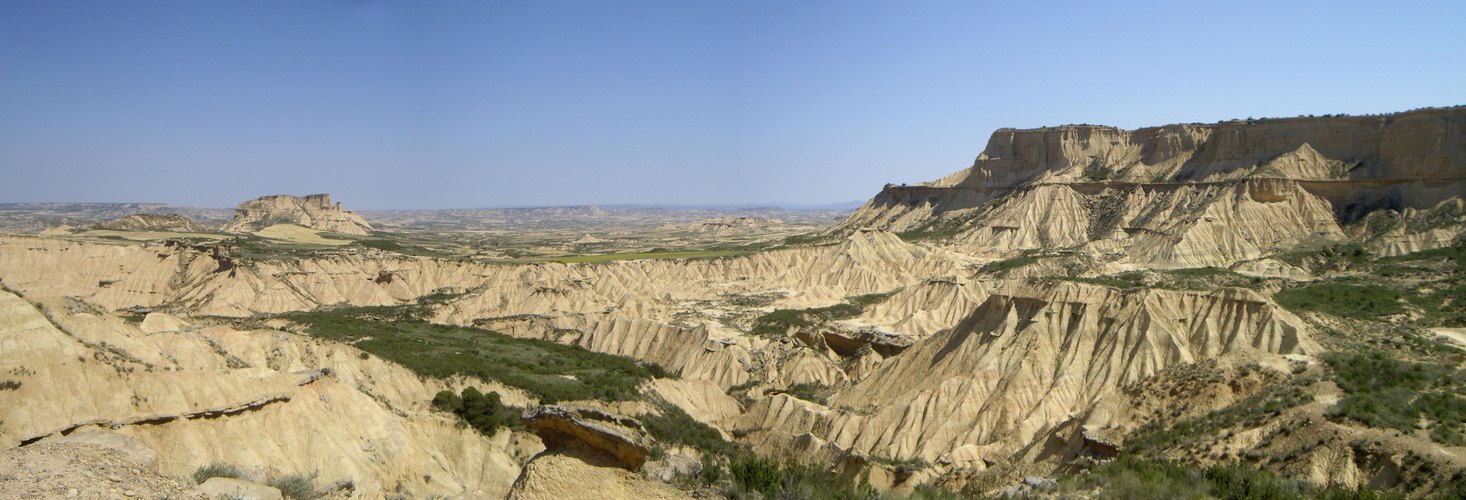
(315, 211)
(154, 222)
(1080, 299)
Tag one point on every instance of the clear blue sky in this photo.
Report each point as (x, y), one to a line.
(476, 104)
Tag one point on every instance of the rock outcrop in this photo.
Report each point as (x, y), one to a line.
(732, 225)
(561, 477)
(1030, 357)
(259, 398)
(1189, 195)
(315, 211)
(153, 222)
(591, 434)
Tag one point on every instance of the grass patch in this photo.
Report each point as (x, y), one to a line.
(1339, 299)
(1389, 393)
(1097, 171)
(699, 254)
(1155, 437)
(550, 371)
(793, 480)
(216, 469)
(870, 299)
(1116, 281)
(1000, 268)
(295, 486)
(297, 234)
(388, 245)
(1329, 258)
(812, 391)
(676, 426)
(1134, 477)
(779, 321)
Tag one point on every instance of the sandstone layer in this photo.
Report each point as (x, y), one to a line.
(1190, 195)
(154, 222)
(315, 211)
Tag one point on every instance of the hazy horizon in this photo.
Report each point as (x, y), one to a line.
(404, 106)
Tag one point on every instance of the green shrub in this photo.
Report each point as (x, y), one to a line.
(1389, 393)
(677, 427)
(711, 470)
(870, 299)
(388, 245)
(1000, 268)
(539, 367)
(1357, 301)
(812, 391)
(1097, 170)
(295, 486)
(1330, 258)
(484, 412)
(1243, 482)
(779, 321)
(216, 469)
(754, 473)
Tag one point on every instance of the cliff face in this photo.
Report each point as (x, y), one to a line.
(315, 211)
(1296, 179)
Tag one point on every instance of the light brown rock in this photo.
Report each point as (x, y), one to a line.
(591, 434)
(315, 211)
(237, 488)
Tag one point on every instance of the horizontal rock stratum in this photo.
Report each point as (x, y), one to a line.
(315, 211)
(1189, 195)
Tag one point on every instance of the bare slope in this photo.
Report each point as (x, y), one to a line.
(1187, 195)
(315, 211)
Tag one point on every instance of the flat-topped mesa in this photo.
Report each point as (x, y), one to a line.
(1174, 196)
(1414, 145)
(315, 211)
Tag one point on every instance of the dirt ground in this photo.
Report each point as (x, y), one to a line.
(81, 471)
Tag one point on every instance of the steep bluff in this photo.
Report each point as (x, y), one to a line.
(1032, 356)
(1187, 195)
(315, 211)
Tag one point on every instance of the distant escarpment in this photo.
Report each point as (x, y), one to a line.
(723, 225)
(315, 211)
(1196, 195)
(153, 222)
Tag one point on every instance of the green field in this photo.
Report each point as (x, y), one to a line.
(550, 371)
(648, 255)
(147, 235)
(297, 234)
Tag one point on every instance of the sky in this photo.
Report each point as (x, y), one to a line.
(448, 104)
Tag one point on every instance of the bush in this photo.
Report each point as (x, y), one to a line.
(779, 321)
(1385, 392)
(216, 469)
(753, 473)
(398, 334)
(9, 385)
(1357, 301)
(388, 245)
(677, 427)
(1097, 170)
(1000, 268)
(711, 470)
(295, 486)
(486, 413)
(812, 391)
